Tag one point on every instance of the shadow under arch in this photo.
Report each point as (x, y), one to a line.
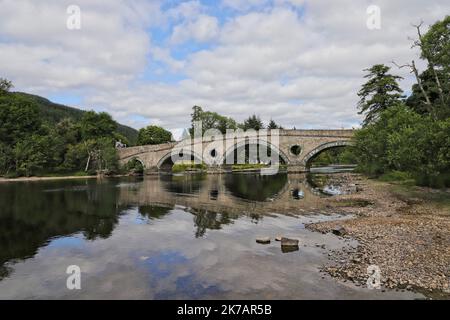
(326, 146)
(136, 158)
(243, 144)
(166, 162)
(256, 187)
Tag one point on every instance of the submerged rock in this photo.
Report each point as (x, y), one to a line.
(287, 249)
(286, 242)
(263, 240)
(339, 231)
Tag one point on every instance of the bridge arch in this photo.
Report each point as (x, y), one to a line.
(267, 144)
(325, 146)
(167, 160)
(130, 163)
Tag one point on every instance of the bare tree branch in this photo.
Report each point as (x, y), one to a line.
(429, 59)
(413, 69)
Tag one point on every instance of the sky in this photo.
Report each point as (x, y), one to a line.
(299, 62)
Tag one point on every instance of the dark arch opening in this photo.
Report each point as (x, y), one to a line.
(166, 163)
(332, 155)
(135, 166)
(249, 153)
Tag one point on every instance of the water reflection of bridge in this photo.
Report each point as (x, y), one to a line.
(231, 194)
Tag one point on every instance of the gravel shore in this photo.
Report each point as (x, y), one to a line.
(406, 237)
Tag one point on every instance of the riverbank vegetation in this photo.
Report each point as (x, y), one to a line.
(409, 138)
(188, 166)
(45, 139)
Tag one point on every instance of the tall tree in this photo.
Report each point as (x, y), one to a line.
(273, 125)
(211, 120)
(153, 135)
(5, 85)
(253, 122)
(17, 119)
(424, 99)
(435, 49)
(96, 125)
(380, 92)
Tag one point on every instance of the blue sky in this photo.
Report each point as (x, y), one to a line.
(298, 62)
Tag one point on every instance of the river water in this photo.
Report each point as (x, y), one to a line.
(171, 237)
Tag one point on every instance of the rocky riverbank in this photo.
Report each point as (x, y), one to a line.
(407, 237)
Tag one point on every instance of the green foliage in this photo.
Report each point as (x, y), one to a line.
(76, 157)
(95, 125)
(253, 122)
(211, 120)
(134, 166)
(37, 152)
(341, 155)
(53, 113)
(30, 144)
(5, 86)
(182, 167)
(402, 143)
(416, 100)
(18, 119)
(379, 93)
(6, 159)
(153, 135)
(397, 176)
(248, 166)
(436, 44)
(402, 140)
(273, 125)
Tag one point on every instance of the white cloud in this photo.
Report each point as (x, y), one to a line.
(242, 5)
(203, 29)
(299, 62)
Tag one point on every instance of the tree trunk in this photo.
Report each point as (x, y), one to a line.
(441, 92)
(430, 65)
(427, 99)
(87, 163)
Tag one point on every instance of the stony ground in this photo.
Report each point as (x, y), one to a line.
(408, 238)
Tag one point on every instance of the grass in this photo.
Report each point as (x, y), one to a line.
(13, 175)
(399, 177)
(248, 166)
(407, 187)
(182, 167)
(439, 198)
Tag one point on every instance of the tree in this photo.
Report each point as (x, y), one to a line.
(435, 48)
(380, 92)
(5, 86)
(273, 125)
(402, 140)
(6, 159)
(211, 120)
(435, 44)
(17, 119)
(253, 122)
(76, 157)
(429, 93)
(95, 125)
(153, 135)
(36, 153)
(101, 154)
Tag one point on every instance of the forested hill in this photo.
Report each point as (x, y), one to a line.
(54, 113)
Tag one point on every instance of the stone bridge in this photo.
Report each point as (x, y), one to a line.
(295, 148)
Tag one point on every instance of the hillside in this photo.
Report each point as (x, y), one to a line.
(53, 113)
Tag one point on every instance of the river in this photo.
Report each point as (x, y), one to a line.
(171, 237)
